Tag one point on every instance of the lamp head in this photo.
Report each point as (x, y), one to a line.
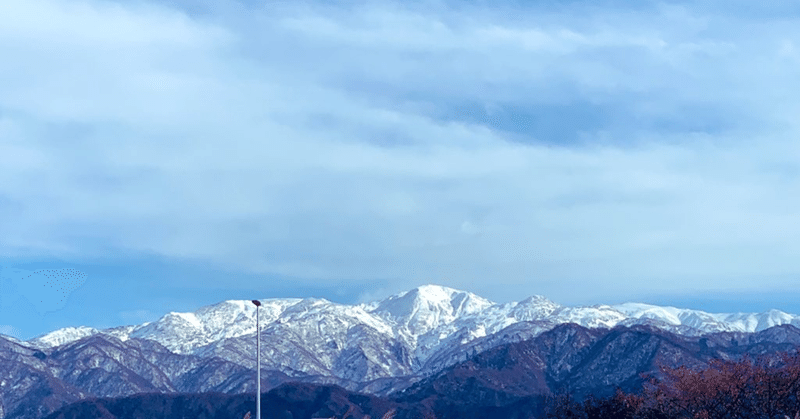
(257, 303)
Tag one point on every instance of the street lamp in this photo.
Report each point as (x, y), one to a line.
(258, 363)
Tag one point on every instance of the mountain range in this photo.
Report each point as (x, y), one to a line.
(514, 380)
(415, 332)
(380, 348)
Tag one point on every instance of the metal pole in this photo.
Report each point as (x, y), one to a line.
(258, 367)
(258, 362)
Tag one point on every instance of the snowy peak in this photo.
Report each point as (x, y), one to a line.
(592, 316)
(773, 318)
(185, 332)
(756, 322)
(703, 322)
(62, 336)
(533, 308)
(671, 315)
(425, 308)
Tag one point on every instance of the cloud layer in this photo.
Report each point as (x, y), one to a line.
(571, 149)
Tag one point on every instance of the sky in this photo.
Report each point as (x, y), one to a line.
(161, 155)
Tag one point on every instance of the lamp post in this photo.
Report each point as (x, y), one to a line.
(258, 363)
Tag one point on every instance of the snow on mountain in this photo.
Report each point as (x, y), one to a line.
(183, 333)
(318, 337)
(592, 317)
(428, 307)
(62, 336)
(748, 322)
(533, 308)
(703, 322)
(428, 314)
(425, 328)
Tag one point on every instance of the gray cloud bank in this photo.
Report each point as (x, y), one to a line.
(570, 149)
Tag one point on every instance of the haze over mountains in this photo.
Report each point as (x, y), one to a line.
(432, 336)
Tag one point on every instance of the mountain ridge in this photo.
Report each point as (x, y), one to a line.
(410, 333)
(513, 380)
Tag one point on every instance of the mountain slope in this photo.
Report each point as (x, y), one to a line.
(35, 382)
(515, 378)
(295, 401)
(412, 333)
(508, 381)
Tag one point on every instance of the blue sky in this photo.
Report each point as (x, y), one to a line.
(179, 153)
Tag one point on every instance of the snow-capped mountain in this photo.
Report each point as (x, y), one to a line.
(566, 358)
(62, 337)
(411, 333)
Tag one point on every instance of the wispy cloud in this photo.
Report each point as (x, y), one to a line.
(612, 147)
(8, 330)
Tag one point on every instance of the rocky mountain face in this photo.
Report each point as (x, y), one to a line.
(34, 382)
(510, 380)
(579, 361)
(27, 389)
(377, 348)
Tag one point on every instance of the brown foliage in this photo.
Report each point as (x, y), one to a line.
(764, 388)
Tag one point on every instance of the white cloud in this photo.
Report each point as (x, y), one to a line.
(8, 330)
(318, 143)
